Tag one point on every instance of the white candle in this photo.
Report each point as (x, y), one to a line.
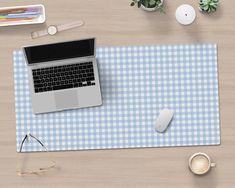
(185, 14)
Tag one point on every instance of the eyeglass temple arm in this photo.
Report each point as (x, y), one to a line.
(21, 146)
(26, 136)
(37, 140)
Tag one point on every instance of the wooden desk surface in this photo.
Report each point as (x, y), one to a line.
(116, 23)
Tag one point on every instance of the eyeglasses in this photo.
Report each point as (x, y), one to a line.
(40, 170)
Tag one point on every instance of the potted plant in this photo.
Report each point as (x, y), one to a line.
(149, 5)
(208, 6)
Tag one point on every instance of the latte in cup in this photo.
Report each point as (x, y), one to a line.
(200, 163)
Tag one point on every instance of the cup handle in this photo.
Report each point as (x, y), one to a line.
(213, 164)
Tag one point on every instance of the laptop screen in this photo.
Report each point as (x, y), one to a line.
(59, 51)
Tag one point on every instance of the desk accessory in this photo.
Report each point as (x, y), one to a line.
(22, 15)
(53, 29)
(163, 120)
(21, 172)
(208, 6)
(185, 14)
(149, 5)
(200, 163)
(63, 75)
(136, 83)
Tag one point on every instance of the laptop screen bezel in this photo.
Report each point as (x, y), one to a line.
(31, 64)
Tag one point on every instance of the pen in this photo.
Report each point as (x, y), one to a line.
(25, 13)
(15, 19)
(21, 16)
(17, 10)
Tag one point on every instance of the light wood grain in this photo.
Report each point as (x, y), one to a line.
(116, 23)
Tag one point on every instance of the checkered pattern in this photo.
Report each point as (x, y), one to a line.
(136, 83)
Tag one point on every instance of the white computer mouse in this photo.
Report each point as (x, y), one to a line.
(163, 120)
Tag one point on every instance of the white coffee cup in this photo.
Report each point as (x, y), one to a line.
(200, 163)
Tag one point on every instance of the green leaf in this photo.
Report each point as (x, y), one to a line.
(152, 2)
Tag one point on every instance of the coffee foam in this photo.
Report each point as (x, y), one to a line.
(200, 164)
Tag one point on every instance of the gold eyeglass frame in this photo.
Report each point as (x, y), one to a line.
(40, 170)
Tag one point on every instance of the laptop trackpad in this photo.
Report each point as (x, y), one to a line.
(66, 99)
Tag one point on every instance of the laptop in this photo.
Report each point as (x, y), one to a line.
(63, 75)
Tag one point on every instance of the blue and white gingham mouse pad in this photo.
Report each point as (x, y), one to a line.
(136, 82)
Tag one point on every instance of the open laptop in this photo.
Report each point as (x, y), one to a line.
(63, 75)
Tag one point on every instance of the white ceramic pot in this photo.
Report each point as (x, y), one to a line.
(151, 9)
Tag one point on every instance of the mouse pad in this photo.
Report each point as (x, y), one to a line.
(136, 83)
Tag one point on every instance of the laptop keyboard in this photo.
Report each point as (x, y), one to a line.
(63, 77)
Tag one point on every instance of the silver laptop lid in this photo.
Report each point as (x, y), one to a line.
(60, 51)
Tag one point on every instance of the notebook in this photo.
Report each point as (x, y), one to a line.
(136, 83)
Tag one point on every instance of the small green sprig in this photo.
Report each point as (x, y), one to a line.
(208, 5)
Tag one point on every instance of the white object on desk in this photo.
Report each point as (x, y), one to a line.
(185, 14)
(163, 120)
(53, 29)
(200, 163)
